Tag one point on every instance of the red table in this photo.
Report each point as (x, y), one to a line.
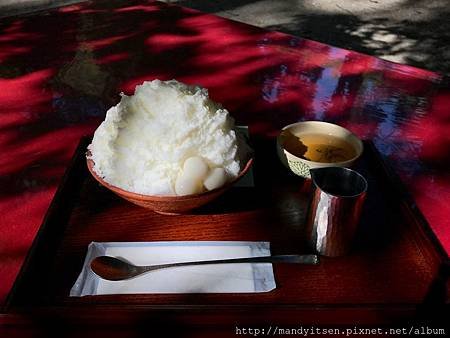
(60, 71)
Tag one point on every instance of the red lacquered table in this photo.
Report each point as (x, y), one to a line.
(61, 70)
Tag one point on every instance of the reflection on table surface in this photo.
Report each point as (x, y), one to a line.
(61, 70)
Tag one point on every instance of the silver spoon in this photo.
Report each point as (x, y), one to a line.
(113, 268)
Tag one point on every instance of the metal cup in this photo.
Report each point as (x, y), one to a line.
(335, 209)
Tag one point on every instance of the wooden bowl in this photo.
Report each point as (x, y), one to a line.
(169, 205)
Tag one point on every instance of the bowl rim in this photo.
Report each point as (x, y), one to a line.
(342, 163)
(175, 198)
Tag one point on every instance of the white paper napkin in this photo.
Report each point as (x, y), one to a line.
(219, 278)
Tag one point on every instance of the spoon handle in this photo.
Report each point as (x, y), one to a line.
(299, 259)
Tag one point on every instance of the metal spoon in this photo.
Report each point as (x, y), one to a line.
(113, 268)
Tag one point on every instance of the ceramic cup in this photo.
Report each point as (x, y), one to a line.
(301, 166)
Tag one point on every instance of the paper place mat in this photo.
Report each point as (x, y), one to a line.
(219, 278)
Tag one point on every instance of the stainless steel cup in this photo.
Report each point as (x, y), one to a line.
(335, 209)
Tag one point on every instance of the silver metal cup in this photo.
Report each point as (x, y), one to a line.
(335, 209)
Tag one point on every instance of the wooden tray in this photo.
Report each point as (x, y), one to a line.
(397, 270)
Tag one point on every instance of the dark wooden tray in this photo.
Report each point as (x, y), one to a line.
(396, 272)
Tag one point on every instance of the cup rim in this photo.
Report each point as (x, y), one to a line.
(342, 163)
(354, 172)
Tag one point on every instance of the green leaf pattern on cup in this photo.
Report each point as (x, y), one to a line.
(299, 168)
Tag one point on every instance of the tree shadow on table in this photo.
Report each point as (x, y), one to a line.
(412, 32)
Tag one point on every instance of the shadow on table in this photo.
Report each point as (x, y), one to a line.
(418, 35)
